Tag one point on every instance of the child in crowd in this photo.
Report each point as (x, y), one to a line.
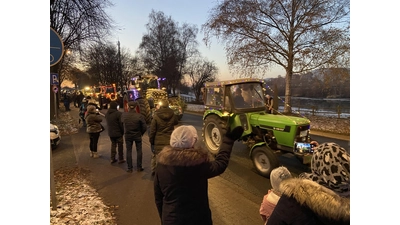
(272, 197)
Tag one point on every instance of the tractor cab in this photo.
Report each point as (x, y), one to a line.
(235, 97)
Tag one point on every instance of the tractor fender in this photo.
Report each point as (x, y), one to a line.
(214, 112)
(257, 145)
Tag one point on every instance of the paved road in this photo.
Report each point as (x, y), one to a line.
(231, 201)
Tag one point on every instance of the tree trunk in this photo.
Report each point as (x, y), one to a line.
(288, 93)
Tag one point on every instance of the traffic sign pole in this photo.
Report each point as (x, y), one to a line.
(55, 105)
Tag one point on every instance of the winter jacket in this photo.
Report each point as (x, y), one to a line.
(181, 183)
(268, 204)
(306, 202)
(93, 120)
(134, 125)
(161, 127)
(115, 126)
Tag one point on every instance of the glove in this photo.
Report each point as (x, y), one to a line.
(234, 134)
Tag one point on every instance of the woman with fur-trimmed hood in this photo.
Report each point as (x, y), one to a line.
(93, 121)
(320, 197)
(182, 173)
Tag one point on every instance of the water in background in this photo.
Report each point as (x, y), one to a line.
(323, 107)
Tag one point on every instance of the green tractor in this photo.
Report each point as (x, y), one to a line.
(147, 91)
(241, 102)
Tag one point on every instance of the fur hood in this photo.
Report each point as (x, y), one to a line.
(183, 157)
(319, 199)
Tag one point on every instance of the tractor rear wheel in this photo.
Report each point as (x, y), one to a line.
(213, 131)
(125, 103)
(144, 109)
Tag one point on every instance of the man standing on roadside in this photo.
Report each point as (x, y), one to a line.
(115, 132)
(134, 126)
(161, 127)
(269, 104)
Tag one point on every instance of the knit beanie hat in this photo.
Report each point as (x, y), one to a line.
(330, 167)
(132, 104)
(278, 175)
(184, 136)
(113, 105)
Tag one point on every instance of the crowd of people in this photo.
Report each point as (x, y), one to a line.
(181, 169)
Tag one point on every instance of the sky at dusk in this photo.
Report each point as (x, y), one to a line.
(132, 17)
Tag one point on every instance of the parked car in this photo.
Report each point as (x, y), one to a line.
(55, 136)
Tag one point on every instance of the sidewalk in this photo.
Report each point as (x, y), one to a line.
(131, 195)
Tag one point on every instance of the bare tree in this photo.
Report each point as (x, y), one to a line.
(199, 72)
(166, 47)
(78, 22)
(298, 35)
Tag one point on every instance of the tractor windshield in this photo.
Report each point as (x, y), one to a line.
(109, 90)
(247, 95)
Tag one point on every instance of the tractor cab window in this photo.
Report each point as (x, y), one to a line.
(109, 90)
(247, 95)
(214, 96)
(153, 83)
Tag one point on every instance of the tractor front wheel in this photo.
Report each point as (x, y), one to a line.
(264, 160)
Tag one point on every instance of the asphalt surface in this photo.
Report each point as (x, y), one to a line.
(131, 194)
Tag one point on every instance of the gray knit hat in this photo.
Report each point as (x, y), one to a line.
(184, 136)
(278, 175)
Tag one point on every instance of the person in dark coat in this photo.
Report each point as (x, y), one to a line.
(67, 101)
(182, 173)
(134, 127)
(161, 127)
(93, 121)
(78, 99)
(82, 111)
(115, 129)
(319, 197)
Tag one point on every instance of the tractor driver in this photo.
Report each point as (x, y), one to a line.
(238, 98)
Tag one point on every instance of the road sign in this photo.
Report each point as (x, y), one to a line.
(55, 88)
(56, 47)
(54, 79)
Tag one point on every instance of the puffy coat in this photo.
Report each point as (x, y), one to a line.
(115, 126)
(306, 202)
(161, 127)
(181, 183)
(134, 125)
(93, 120)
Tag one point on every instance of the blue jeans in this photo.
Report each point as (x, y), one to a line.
(129, 144)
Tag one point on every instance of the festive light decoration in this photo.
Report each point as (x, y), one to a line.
(298, 113)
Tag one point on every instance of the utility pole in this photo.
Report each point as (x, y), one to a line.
(119, 65)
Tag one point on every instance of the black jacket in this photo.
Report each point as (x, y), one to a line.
(181, 183)
(134, 125)
(161, 128)
(115, 126)
(307, 202)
